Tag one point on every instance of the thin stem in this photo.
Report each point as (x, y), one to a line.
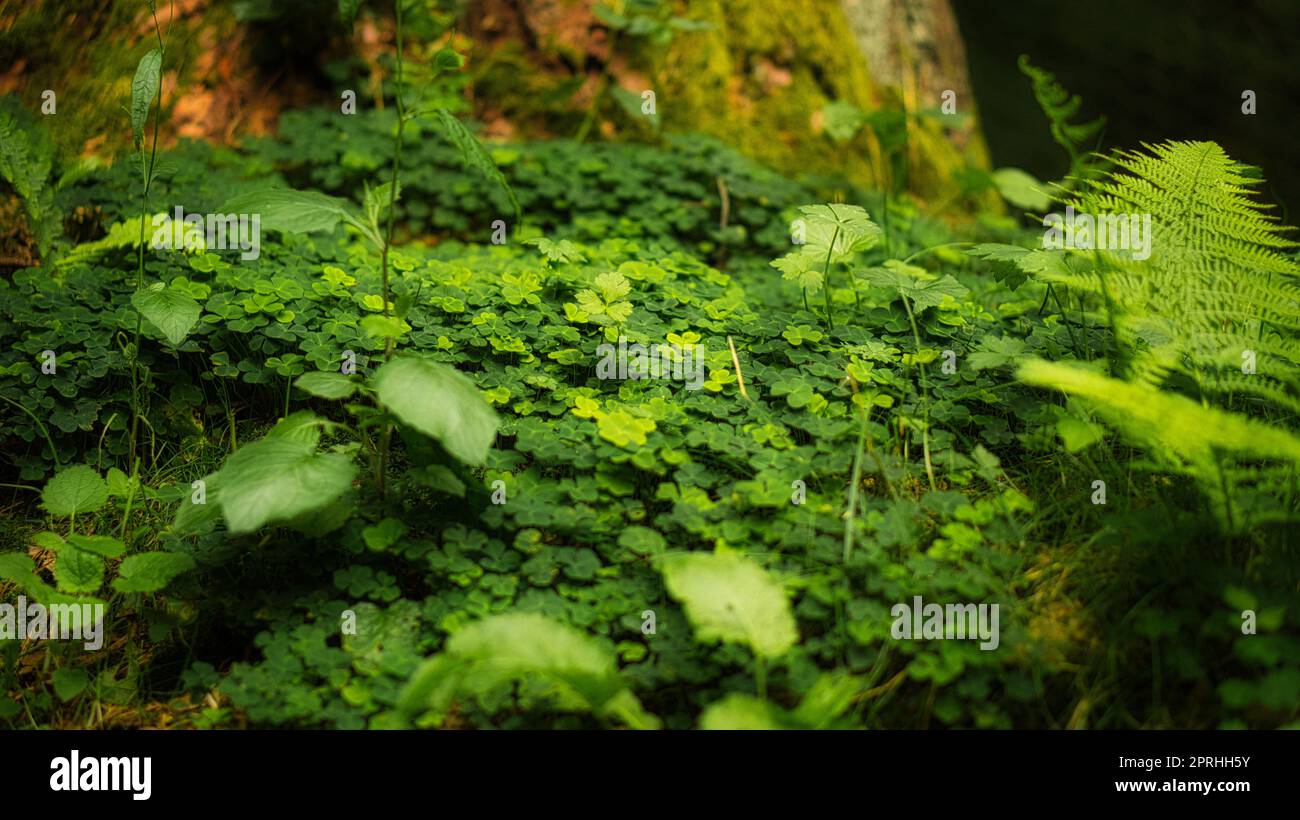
(925, 391)
(854, 480)
(386, 437)
(39, 426)
(826, 278)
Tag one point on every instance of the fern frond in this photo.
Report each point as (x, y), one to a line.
(1226, 453)
(1218, 282)
(1061, 106)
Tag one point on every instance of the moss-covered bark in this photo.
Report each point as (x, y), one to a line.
(759, 78)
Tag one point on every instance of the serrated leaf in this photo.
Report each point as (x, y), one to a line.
(440, 402)
(276, 479)
(78, 571)
(730, 598)
(474, 155)
(105, 545)
(74, 490)
(290, 211)
(377, 198)
(144, 88)
(841, 230)
(799, 267)
(172, 311)
(150, 571)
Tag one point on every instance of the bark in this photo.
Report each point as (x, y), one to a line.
(759, 79)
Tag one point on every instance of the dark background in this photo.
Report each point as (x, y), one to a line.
(1157, 69)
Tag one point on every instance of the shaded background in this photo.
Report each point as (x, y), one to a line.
(1157, 70)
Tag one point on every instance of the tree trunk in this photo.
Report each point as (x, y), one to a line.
(758, 78)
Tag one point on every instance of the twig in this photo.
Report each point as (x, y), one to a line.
(735, 360)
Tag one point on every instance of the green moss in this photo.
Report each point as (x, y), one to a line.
(758, 81)
(76, 49)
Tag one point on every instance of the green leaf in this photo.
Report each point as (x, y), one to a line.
(144, 88)
(440, 402)
(739, 712)
(377, 198)
(379, 326)
(172, 311)
(19, 568)
(192, 518)
(326, 385)
(842, 121)
(78, 571)
(800, 267)
(69, 682)
(841, 230)
(348, 12)
(1021, 189)
(474, 155)
(276, 479)
(383, 535)
(995, 351)
(1077, 434)
(290, 211)
(570, 668)
(150, 571)
(105, 545)
(728, 597)
(74, 490)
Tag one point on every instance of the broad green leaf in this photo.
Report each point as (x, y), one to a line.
(326, 384)
(1021, 189)
(830, 696)
(19, 568)
(738, 711)
(377, 198)
(1077, 434)
(383, 535)
(569, 667)
(841, 230)
(172, 311)
(150, 571)
(276, 479)
(730, 598)
(290, 211)
(995, 351)
(800, 267)
(69, 681)
(379, 326)
(74, 490)
(440, 402)
(78, 571)
(105, 545)
(193, 517)
(301, 425)
(144, 88)
(474, 155)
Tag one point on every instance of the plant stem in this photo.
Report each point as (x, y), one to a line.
(826, 278)
(925, 391)
(386, 437)
(854, 480)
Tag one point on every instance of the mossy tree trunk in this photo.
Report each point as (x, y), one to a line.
(759, 77)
